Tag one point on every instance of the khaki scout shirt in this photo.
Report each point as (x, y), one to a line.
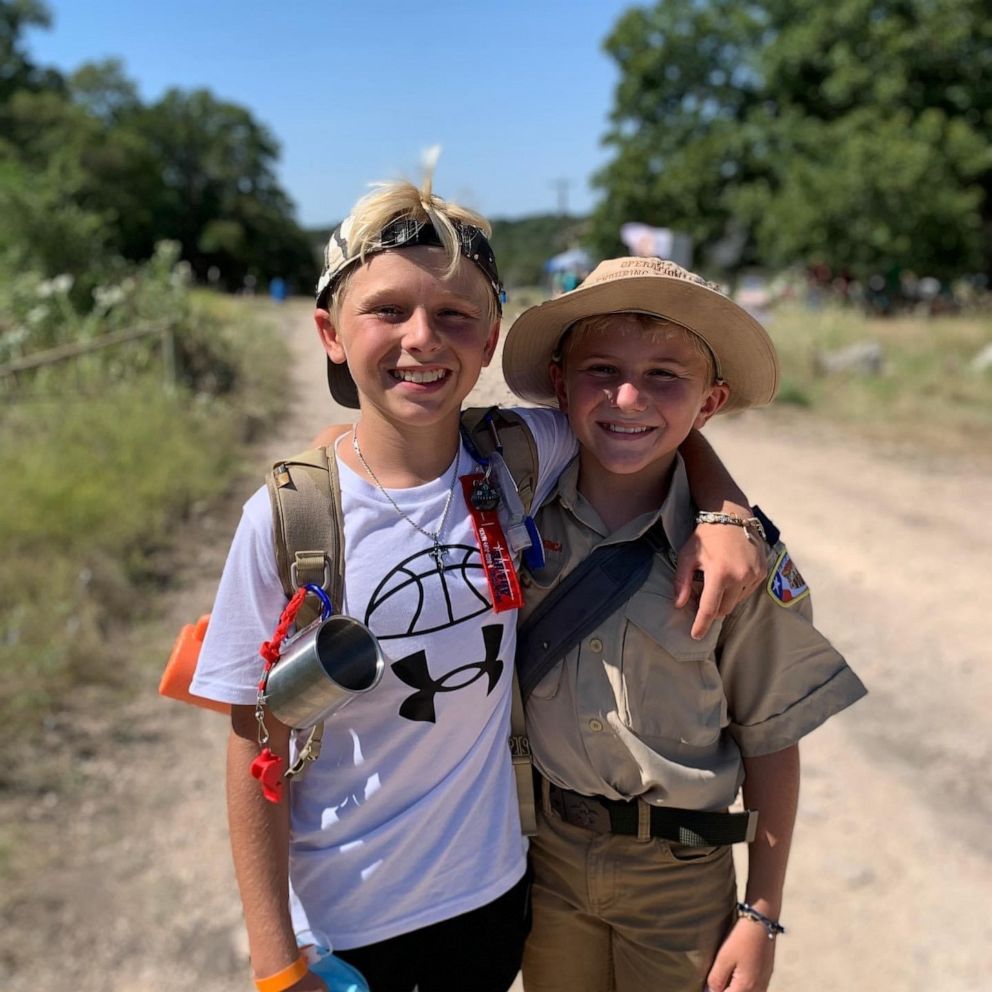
(640, 709)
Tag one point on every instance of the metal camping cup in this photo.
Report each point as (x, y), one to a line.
(324, 666)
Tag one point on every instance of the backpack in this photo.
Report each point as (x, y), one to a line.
(308, 532)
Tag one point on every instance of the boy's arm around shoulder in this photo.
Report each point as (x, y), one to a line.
(782, 678)
(732, 565)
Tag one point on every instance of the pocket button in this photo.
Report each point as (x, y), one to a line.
(596, 725)
(596, 644)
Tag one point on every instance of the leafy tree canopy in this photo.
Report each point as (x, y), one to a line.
(16, 70)
(853, 133)
(89, 173)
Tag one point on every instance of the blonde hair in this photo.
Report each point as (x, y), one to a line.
(401, 200)
(647, 324)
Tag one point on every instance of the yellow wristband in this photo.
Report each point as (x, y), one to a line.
(281, 980)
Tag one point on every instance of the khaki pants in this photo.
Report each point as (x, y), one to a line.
(615, 914)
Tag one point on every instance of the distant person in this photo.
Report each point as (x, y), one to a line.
(643, 735)
(278, 290)
(402, 843)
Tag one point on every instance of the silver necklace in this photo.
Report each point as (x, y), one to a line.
(438, 552)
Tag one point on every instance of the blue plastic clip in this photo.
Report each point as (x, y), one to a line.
(327, 607)
(534, 555)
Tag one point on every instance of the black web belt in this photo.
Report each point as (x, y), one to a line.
(691, 827)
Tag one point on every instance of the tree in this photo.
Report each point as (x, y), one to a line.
(89, 174)
(77, 186)
(17, 72)
(220, 198)
(851, 133)
(45, 230)
(104, 91)
(45, 225)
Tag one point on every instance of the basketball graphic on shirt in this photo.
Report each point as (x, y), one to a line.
(419, 598)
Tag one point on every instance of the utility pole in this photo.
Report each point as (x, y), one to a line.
(562, 186)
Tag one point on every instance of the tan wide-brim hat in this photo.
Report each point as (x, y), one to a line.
(745, 356)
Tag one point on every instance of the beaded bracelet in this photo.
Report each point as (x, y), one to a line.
(282, 980)
(773, 927)
(752, 525)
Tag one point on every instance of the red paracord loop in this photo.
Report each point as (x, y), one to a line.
(267, 767)
(271, 650)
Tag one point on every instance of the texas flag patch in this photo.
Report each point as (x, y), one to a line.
(786, 585)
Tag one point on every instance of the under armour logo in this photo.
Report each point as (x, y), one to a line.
(414, 672)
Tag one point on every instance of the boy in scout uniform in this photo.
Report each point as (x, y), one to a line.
(642, 735)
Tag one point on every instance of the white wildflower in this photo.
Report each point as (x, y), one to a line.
(108, 296)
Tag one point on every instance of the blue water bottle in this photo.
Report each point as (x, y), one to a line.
(337, 974)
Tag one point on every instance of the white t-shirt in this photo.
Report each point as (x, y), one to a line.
(409, 816)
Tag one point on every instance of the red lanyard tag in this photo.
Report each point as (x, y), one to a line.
(504, 586)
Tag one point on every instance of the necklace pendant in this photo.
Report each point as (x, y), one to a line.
(439, 554)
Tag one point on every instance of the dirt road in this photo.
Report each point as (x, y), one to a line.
(128, 887)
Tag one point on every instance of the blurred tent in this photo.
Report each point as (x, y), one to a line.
(573, 260)
(657, 242)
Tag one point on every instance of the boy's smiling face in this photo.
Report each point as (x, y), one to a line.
(632, 396)
(415, 341)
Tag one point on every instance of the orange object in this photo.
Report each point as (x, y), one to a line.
(284, 979)
(181, 665)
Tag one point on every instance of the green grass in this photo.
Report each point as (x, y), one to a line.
(109, 472)
(97, 486)
(926, 395)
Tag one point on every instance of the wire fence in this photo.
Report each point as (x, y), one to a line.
(18, 377)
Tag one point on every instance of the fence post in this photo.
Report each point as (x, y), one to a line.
(169, 357)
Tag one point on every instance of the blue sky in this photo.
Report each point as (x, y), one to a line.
(517, 93)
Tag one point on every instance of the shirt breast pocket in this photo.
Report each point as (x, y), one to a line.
(670, 684)
(540, 583)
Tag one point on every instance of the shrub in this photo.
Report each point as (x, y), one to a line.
(104, 461)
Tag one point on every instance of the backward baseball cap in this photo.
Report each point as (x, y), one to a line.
(404, 231)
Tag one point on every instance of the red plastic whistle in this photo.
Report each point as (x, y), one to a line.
(267, 768)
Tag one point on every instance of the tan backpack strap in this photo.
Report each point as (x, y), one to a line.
(308, 529)
(523, 767)
(489, 426)
(308, 534)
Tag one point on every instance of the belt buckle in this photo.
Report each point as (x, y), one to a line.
(752, 825)
(586, 812)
